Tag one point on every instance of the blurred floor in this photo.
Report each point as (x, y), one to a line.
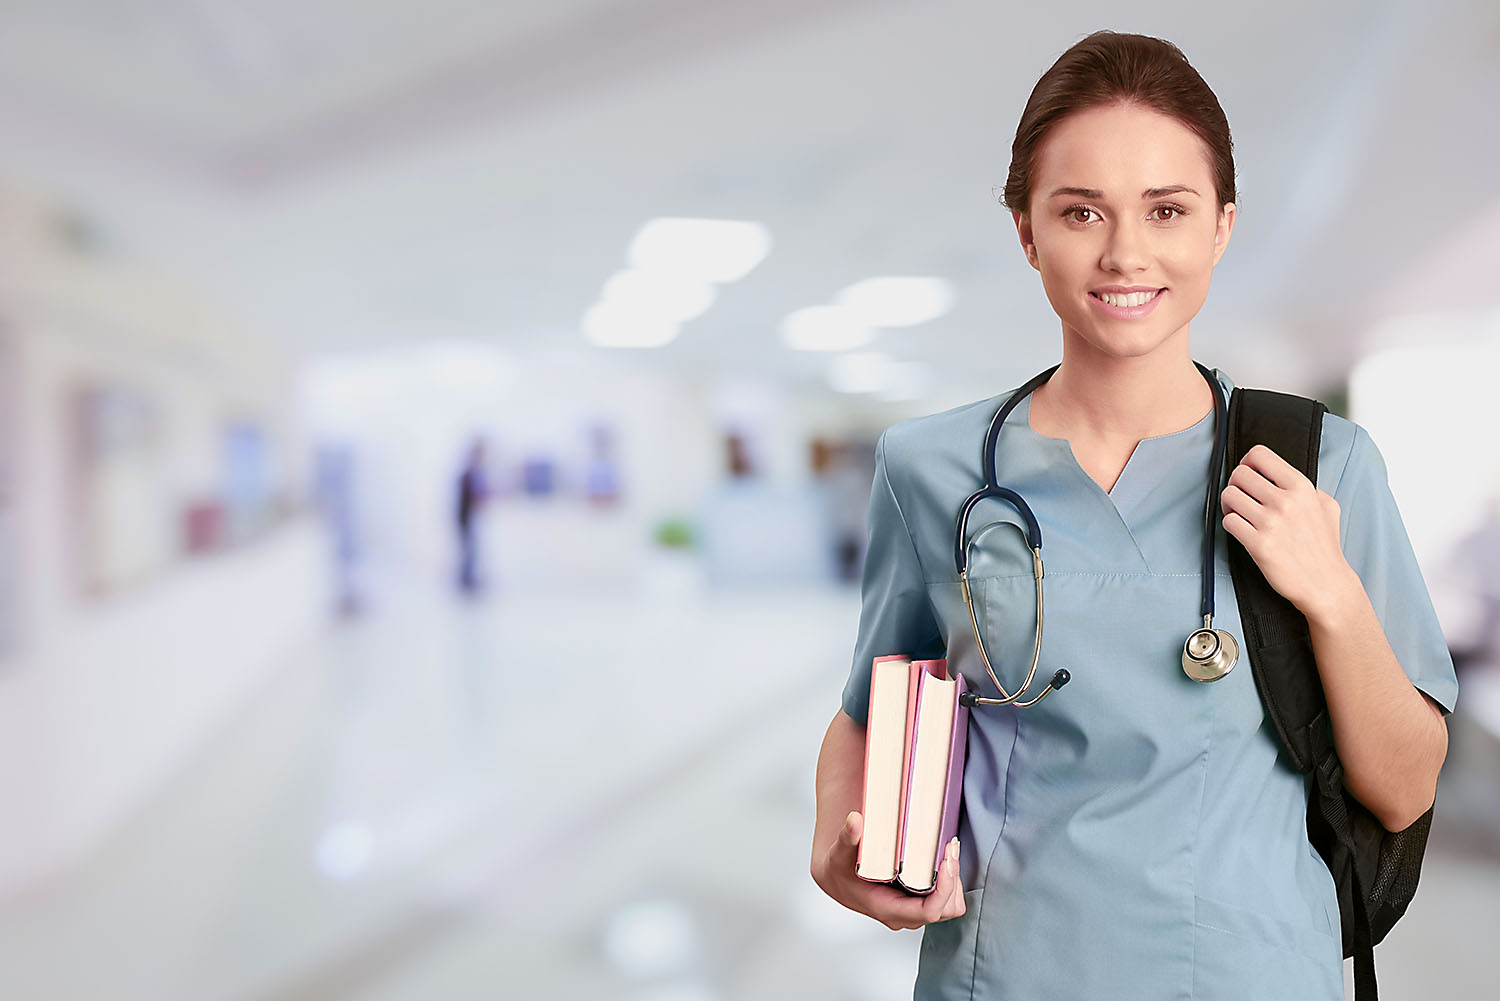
(591, 796)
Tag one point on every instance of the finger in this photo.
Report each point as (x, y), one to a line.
(1240, 529)
(937, 900)
(1237, 501)
(846, 845)
(935, 907)
(1273, 467)
(955, 905)
(1253, 483)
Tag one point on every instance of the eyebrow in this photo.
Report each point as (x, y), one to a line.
(1170, 189)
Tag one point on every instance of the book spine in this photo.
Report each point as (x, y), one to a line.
(953, 794)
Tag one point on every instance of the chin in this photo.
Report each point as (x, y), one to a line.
(1117, 346)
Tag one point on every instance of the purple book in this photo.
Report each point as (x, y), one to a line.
(955, 788)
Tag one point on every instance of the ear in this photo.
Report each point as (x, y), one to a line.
(1028, 242)
(1222, 230)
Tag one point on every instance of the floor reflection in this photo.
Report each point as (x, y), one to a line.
(470, 802)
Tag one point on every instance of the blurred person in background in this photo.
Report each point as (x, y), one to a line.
(602, 474)
(473, 492)
(336, 490)
(1138, 834)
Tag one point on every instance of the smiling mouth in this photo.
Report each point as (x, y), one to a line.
(1132, 299)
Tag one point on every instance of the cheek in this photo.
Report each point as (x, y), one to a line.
(1064, 290)
(1068, 267)
(1188, 272)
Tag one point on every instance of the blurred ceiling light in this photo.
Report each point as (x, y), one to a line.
(897, 302)
(714, 250)
(825, 328)
(661, 295)
(345, 850)
(611, 327)
(863, 372)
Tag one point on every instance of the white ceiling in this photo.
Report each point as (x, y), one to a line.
(338, 172)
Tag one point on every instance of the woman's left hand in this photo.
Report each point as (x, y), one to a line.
(1288, 526)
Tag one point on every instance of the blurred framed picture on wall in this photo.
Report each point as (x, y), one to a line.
(124, 517)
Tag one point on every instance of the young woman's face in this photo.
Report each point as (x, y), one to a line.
(1124, 221)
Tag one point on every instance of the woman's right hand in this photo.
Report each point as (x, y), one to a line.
(886, 903)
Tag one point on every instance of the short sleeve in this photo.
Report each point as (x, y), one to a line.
(895, 614)
(1376, 545)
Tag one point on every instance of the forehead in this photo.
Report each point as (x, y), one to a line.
(1120, 149)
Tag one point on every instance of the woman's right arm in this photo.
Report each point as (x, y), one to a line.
(836, 834)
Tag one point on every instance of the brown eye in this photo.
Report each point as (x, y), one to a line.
(1073, 213)
(1176, 212)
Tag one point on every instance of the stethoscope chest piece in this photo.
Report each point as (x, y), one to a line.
(1209, 654)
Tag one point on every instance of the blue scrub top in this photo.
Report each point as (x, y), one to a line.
(1137, 835)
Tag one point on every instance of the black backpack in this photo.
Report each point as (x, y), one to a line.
(1376, 871)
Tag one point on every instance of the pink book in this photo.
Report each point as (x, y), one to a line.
(887, 727)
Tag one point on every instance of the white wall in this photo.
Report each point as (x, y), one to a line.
(104, 697)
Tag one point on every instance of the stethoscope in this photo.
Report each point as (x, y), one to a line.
(1207, 655)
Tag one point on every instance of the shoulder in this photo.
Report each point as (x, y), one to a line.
(1347, 456)
(921, 446)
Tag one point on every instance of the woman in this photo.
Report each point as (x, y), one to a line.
(1134, 835)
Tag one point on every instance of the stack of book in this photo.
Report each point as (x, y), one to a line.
(914, 766)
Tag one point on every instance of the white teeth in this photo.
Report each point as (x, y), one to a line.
(1133, 299)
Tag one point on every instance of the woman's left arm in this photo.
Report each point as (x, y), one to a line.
(1391, 738)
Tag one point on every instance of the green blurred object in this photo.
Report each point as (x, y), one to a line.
(674, 533)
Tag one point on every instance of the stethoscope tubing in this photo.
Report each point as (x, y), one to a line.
(1033, 532)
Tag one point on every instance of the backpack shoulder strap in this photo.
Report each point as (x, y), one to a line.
(1276, 634)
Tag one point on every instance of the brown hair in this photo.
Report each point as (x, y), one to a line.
(1110, 67)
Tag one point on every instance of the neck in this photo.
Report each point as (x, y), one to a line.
(1121, 398)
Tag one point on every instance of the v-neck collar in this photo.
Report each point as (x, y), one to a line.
(1143, 472)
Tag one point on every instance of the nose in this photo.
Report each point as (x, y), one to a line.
(1125, 250)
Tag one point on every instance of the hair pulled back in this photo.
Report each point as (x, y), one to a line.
(1110, 67)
